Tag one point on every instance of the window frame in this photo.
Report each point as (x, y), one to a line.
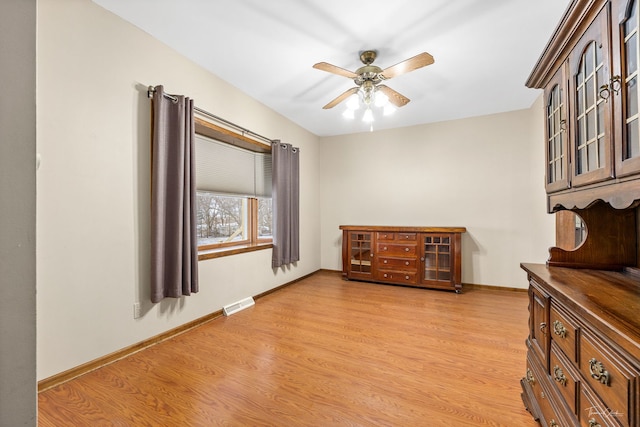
(254, 242)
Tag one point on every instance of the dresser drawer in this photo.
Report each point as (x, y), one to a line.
(386, 236)
(565, 377)
(538, 381)
(564, 331)
(400, 277)
(404, 237)
(398, 264)
(396, 249)
(610, 376)
(593, 413)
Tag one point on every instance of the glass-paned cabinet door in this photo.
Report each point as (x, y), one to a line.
(591, 113)
(360, 253)
(626, 85)
(437, 257)
(557, 171)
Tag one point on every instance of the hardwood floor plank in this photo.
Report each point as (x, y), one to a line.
(322, 351)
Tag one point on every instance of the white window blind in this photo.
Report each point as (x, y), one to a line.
(224, 168)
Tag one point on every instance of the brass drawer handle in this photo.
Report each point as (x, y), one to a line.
(559, 329)
(598, 372)
(594, 423)
(406, 249)
(559, 376)
(529, 378)
(543, 327)
(553, 423)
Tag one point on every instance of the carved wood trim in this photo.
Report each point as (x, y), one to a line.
(610, 243)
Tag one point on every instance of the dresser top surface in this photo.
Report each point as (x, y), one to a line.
(609, 300)
(403, 229)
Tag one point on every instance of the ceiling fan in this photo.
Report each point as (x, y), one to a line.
(368, 77)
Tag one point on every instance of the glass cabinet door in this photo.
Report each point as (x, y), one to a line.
(360, 253)
(437, 257)
(557, 153)
(627, 96)
(591, 113)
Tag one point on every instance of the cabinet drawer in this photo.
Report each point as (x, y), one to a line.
(563, 331)
(404, 237)
(539, 384)
(385, 236)
(565, 377)
(400, 237)
(593, 412)
(398, 264)
(609, 376)
(397, 249)
(401, 277)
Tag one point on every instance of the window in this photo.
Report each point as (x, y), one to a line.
(233, 199)
(231, 220)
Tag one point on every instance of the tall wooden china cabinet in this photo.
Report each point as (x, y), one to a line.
(583, 346)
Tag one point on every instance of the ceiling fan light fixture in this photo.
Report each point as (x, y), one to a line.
(348, 114)
(353, 103)
(388, 109)
(368, 116)
(381, 99)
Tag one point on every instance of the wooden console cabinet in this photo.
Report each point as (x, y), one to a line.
(427, 257)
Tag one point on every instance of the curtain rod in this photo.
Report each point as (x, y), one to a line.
(151, 90)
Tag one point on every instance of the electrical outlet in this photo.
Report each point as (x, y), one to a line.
(136, 310)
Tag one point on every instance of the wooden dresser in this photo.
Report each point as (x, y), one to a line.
(583, 346)
(428, 257)
(583, 361)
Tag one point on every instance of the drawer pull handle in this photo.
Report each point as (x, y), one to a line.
(559, 329)
(406, 277)
(529, 378)
(385, 261)
(406, 249)
(598, 372)
(406, 263)
(543, 327)
(559, 376)
(553, 423)
(594, 423)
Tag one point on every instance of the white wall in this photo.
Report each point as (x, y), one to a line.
(93, 198)
(483, 173)
(17, 213)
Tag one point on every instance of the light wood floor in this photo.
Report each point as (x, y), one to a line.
(321, 352)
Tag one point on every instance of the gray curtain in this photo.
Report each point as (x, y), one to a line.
(286, 207)
(174, 247)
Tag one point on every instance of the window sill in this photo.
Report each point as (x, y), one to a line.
(232, 250)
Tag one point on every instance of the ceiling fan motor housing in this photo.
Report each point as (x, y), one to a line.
(368, 56)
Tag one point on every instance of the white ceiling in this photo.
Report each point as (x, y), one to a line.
(484, 51)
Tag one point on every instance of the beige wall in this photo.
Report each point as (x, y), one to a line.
(484, 173)
(93, 198)
(17, 213)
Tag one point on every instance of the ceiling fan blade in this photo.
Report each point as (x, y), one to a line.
(394, 97)
(344, 95)
(324, 66)
(418, 61)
